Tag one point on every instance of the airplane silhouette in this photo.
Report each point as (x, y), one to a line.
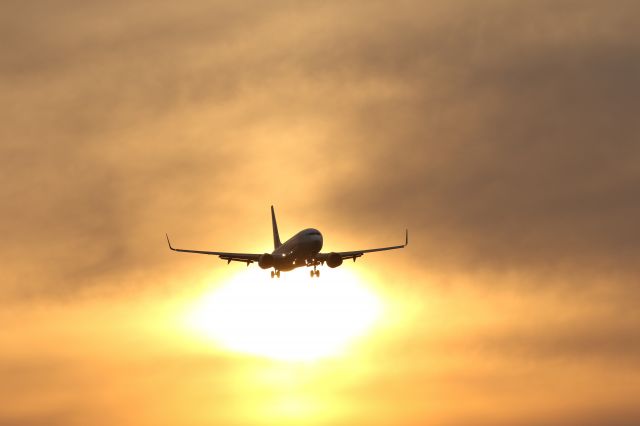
(303, 249)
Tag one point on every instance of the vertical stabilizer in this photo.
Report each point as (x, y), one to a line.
(276, 236)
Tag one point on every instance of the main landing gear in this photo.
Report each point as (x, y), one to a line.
(275, 274)
(313, 273)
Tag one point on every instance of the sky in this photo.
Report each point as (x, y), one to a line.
(503, 135)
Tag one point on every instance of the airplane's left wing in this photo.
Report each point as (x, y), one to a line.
(358, 253)
(229, 257)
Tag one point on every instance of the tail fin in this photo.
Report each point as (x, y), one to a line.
(276, 236)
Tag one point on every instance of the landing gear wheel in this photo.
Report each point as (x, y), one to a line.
(317, 273)
(272, 274)
(311, 274)
(278, 274)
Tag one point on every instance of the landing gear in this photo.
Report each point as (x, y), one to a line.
(275, 274)
(313, 273)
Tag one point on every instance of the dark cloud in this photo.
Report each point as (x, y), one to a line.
(507, 152)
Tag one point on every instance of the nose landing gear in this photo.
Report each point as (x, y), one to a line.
(313, 273)
(275, 274)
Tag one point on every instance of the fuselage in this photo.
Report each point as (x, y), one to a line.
(298, 250)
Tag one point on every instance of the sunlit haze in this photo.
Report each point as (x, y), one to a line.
(292, 318)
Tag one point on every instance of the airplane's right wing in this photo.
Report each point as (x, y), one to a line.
(229, 257)
(358, 253)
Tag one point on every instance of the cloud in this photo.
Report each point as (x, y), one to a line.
(504, 135)
(500, 151)
(505, 152)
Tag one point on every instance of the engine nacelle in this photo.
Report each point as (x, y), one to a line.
(265, 261)
(334, 260)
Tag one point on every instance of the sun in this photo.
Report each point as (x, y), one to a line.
(295, 318)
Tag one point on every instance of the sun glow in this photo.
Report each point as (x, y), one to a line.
(292, 318)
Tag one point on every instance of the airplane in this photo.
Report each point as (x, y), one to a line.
(303, 249)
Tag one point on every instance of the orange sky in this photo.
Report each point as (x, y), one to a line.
(502, 134)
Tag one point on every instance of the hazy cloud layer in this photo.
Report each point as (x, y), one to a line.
(503, 134)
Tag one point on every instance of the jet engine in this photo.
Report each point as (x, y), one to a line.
(265, 261)
(334, 260)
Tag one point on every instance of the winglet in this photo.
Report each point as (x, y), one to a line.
(169, 242)
(406, 237)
